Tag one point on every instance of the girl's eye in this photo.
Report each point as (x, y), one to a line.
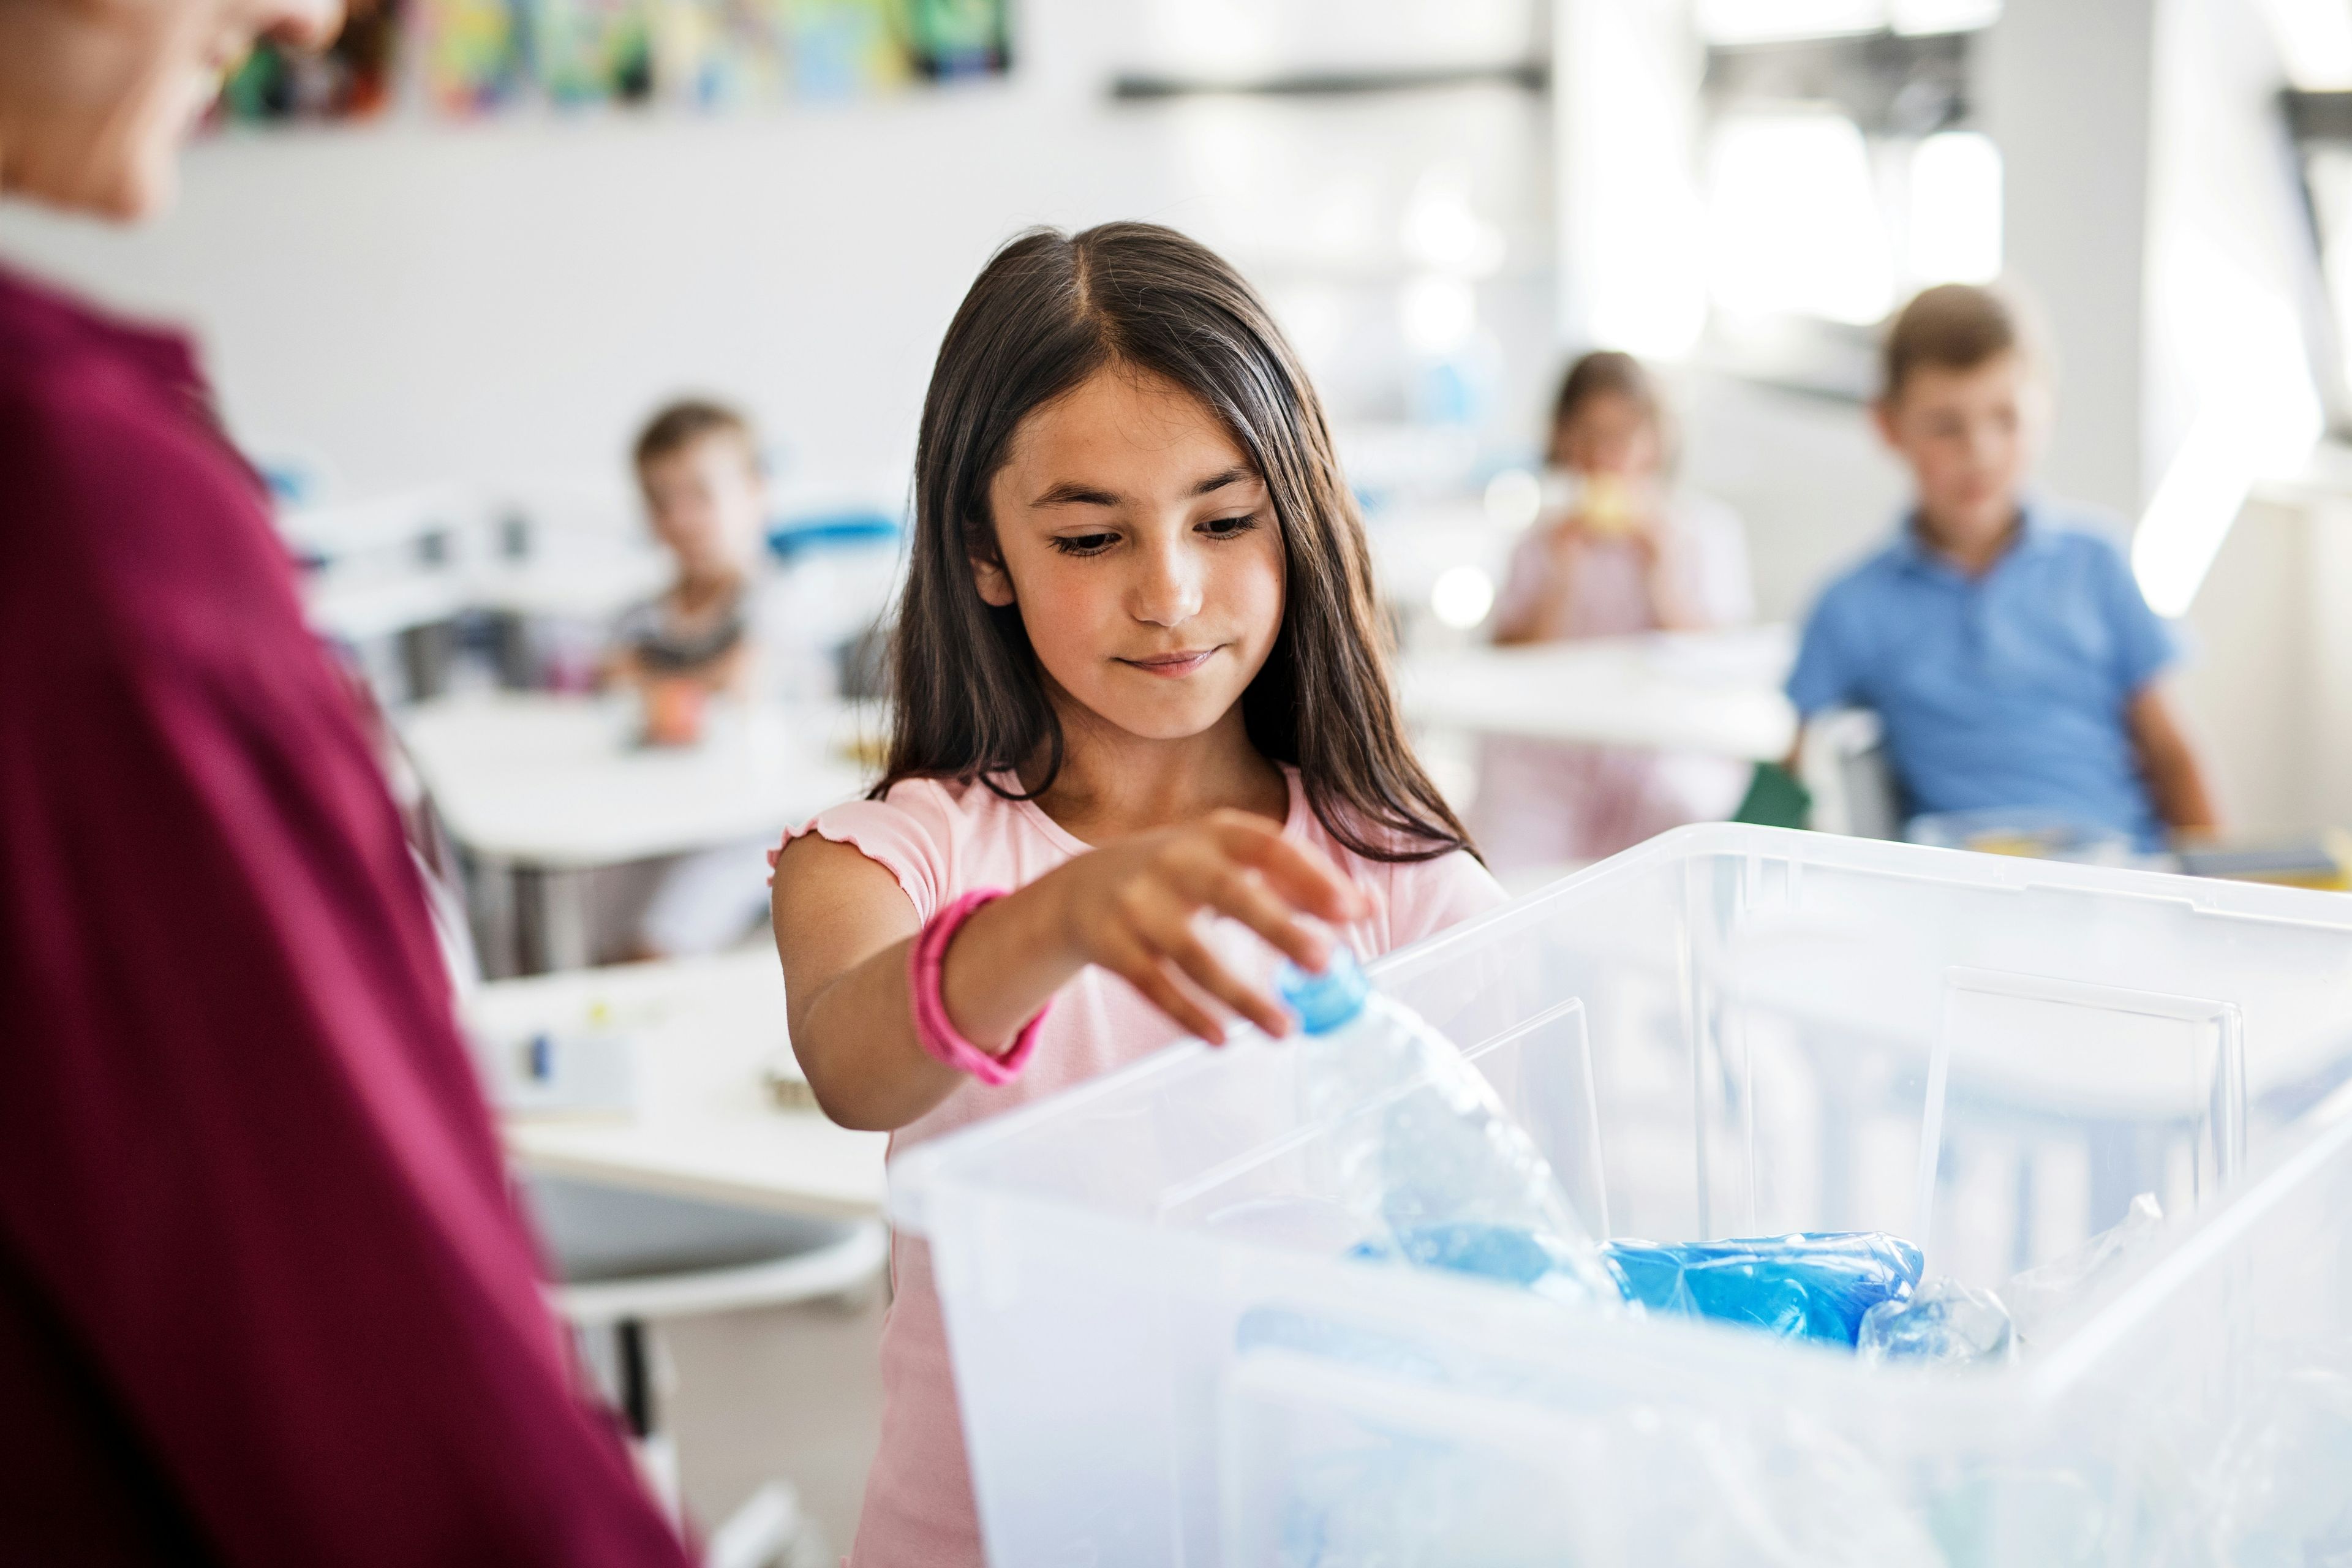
(1083, 544)
(1226, 526)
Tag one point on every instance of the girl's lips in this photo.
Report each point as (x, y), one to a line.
(1170, 666)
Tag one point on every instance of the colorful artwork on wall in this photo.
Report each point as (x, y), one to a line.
(352, 78)
(958, 37)
(725, 54)
(468, 57)
(470, 53)
(593, 51)
(847, 48)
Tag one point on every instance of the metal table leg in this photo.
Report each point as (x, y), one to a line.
(555, 920)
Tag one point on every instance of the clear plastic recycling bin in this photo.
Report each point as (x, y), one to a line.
(1164, 1354)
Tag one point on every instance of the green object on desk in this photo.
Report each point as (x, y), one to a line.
(1775, 799)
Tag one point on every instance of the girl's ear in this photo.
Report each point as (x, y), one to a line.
(995, 586)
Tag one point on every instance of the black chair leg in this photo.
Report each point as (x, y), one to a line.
(636, 1377)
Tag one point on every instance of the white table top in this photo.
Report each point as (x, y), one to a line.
(357, 604)
(560, 783)
(1716, 692)
(706, 1125)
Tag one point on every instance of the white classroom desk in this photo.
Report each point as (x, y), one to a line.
(702, 1032)
(1713, 692)
(359, 603)
(539, 787)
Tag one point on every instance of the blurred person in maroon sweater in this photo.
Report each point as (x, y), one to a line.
(264, 1296)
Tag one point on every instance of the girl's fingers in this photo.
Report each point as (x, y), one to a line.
(1245, 896)
(1170, 998)
(1308, 880)
(1184, 949)
(1141, 968)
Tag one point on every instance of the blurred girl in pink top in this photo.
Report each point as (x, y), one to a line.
(1618, 551)
(1140, 686)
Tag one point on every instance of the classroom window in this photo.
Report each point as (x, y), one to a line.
(2321, 123)
(1954, 217)
(1794, 226)
(2315, 42)
(1775, 21)
(1840, 175)
(2327, 174)
(1807, 219)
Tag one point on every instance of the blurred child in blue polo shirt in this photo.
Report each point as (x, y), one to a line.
(1999, 636)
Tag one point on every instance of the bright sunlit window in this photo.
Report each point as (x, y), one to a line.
(2257, 417)
(1919, 16)
(1955, 209)
(1794, 225)
(2328, 171)
(2315, 42)
(1766, 21)
(1774, 21)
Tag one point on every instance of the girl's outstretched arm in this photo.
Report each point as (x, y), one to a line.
(844, 927)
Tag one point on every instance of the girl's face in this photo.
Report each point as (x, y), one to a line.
(1141, 547)
(1609, 433)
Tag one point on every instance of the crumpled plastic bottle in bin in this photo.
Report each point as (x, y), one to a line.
(1943, 1322)
(1425, 1149)
(1811, 1286)
(1442, 1177)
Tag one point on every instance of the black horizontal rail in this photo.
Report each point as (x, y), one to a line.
(1532, 76)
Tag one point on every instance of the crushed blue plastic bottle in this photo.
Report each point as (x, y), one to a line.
(1456, 1186)
(1811, 1286)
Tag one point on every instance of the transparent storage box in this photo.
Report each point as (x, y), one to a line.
(1164, 1354)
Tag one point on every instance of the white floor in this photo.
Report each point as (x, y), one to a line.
(789, 1394)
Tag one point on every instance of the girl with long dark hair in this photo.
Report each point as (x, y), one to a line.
(1138, 678)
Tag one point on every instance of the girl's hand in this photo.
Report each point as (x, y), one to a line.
(1129, 907)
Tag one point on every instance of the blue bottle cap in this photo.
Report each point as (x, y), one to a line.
(1327, 1001)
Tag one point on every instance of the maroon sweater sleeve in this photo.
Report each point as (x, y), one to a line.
(248, 1185)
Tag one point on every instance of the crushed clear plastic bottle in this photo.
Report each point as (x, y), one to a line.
(2043, 1295)
(1425, 1153)
(1944, 1323)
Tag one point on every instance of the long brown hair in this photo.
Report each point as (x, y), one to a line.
(1047, 312)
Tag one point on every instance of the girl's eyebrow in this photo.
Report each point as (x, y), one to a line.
(1073, 492)
(1233, 475)
(1070, 492)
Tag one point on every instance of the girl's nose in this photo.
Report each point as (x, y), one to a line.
(1167, 591)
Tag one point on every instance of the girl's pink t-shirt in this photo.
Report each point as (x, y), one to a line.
(940, 840)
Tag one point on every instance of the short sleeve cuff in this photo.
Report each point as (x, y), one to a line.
(889, 838)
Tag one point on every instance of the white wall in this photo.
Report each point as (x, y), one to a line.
(2067, 88)
(1813, 485)
(413, 299)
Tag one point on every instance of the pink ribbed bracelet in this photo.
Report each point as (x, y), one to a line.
(940, 1038)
